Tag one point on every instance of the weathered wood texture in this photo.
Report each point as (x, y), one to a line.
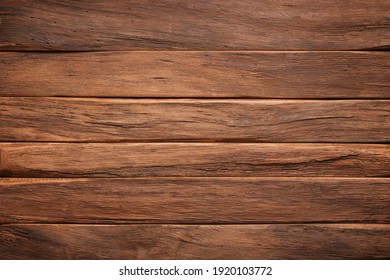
(238, 129)
(342, 241)
(192, 159)
(194, 200)
(113, 120)
(197, 74)
(200, 25)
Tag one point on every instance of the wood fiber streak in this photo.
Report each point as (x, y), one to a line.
(322, 241)
(113, 120)
(194, 200)
(197, 74)
(201, 25)
(192, 159)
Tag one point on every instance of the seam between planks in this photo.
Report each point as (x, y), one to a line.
(374, 49)
(357, 222)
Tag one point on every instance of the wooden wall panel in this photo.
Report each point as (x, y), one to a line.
(321, 241)
(216, 129)
(194, 200)
(192, 159)
(197, 74)
(189, 25)
(113, 120)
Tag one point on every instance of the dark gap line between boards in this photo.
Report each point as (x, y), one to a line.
(136, 223)
(194, 177)
(192, 141)
(217, 99)
(387, 49)
(199, 177)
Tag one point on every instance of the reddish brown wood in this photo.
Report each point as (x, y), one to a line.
(194, 200)
(323, 241)
(197, 74)
(114, 120)
(192, 159)
(189, 25)
(223, 175)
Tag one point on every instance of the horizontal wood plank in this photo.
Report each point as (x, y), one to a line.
(322, 241)
(194, 200)
(115, 120)
(189, 25)
(192, 159)
(197, 74)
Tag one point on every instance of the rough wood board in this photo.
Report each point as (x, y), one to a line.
(194, 200)
(114, 120)
(192, 159)
(322, 241)
(200, 25)
(197, 74)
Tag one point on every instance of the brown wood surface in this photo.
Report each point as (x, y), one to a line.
(197, 74)
(192, 159)
(216, 129)
(194, 200)
(322, 241)
(200, 25)
(113, 120)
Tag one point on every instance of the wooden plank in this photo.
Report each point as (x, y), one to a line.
(322, 241)
(197, 74)
(192, 159)
(204, 25)
(194, 200)
(114, 120)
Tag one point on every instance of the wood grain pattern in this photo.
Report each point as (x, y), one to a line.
(194, 200)
(113, 120)
(204, 25)
(192, 159)
(216, 129)
(322, 241)
(197, 74)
